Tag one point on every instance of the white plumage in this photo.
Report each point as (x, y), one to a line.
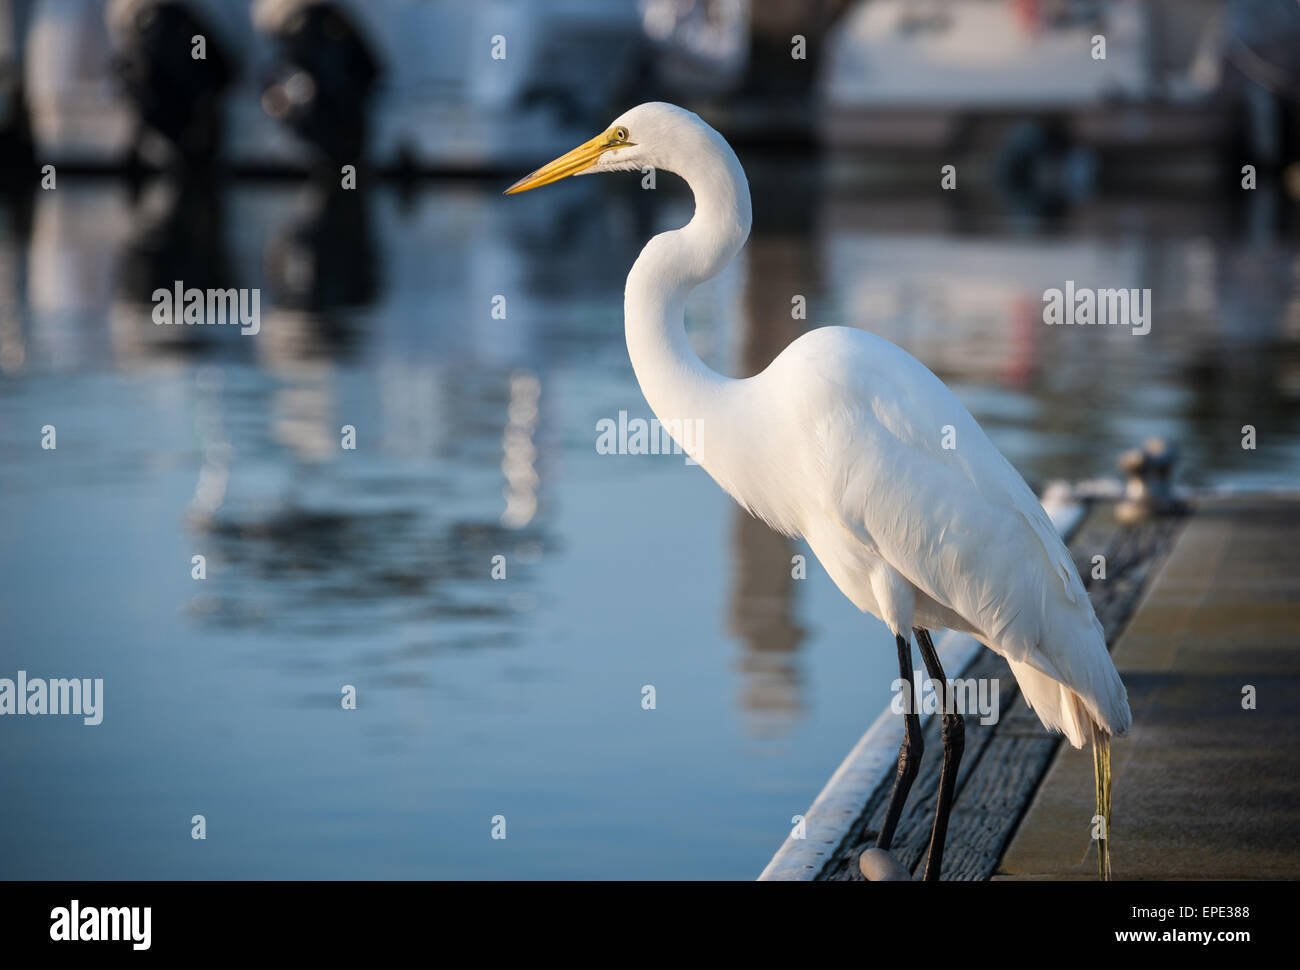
(850, 442)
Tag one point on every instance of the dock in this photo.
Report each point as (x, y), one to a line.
(1207, 786)
(1198, 609)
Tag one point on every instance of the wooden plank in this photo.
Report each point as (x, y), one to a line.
(1206, 787)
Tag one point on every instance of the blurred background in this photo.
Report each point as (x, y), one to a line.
(476, 435)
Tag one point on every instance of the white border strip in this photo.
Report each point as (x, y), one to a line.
(875, 757)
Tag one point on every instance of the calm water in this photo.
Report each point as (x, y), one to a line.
(475, 438)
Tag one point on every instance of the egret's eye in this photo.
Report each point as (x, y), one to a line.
(620, 133)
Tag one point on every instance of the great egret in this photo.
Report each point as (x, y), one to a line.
(853, 444)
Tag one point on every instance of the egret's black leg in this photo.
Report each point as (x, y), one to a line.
(909, 754)
(954, 743)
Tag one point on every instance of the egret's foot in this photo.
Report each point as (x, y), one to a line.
(879, 865)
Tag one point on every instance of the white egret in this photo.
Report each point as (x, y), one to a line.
(851, 443)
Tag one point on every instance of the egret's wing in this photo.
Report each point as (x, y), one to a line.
(914, 477)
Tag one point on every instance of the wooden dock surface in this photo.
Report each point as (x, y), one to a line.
(1205, 787)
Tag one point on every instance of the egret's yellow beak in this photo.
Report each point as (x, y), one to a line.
(571, 163)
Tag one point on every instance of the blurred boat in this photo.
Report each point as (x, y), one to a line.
(924, 75)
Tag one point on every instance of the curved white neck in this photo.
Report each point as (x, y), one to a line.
(677, 384)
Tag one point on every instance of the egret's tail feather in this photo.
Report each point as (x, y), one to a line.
(1065, 710)
(1101, 773)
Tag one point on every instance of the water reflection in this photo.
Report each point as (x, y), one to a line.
(474, 434)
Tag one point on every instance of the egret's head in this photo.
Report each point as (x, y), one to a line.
(651, 134)
(669, 139)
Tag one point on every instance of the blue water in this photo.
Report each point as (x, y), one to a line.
(518, 697)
